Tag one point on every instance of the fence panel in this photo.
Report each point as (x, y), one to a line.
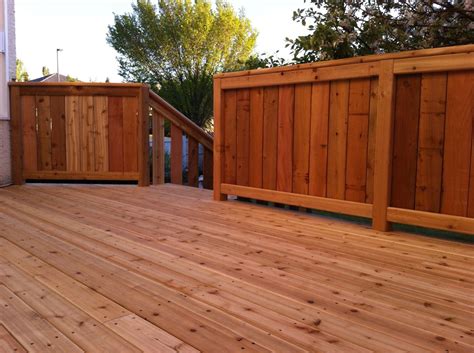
(387, 137)
(79, 131)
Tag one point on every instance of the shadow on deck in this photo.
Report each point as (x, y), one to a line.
(166, 269)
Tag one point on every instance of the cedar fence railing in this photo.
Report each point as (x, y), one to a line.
(95, 131)
(388, 137)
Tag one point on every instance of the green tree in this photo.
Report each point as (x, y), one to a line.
(45, 71)
(177, 46)
(340, 29)
(21, 73)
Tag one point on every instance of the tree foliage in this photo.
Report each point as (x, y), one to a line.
(341, 29)
(176, 46)
(21, 73)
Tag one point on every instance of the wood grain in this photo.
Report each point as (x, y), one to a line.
(29, 138)
(270, 137)
(256, 137)
(58, 132)
(337, 139)
(242, 136)
(457, 143)
(431, 142)
(286, 99)
(116, 144)
(230, 131)
(405, 141)
(318, 155)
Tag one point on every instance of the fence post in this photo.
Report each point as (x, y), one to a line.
(383, 149)
(218, 142)
(158, 149)
(143, 140)
(16, 136)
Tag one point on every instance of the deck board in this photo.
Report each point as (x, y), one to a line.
(165, 269)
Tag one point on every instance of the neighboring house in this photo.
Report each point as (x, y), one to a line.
(7, 73)
(51, 78)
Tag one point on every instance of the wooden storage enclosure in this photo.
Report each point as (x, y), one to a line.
(387, 137)
(79, 131)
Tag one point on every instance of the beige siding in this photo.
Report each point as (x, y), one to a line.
(7, 29)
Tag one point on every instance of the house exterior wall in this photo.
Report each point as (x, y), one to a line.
(7, 72)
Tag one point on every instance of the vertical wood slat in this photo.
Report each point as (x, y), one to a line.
(458, 143)
(286, 99)
(130, 134)
(143, 143)
(28, 130)
(86, 135)
(158, 164)
(17, 136)
(176, 155)
(383, 140)
(207, 167)
(371, 140)
(405, 141)
(58, 133)
(270, 137)
(230, 131)
(101, 147)
(73, 143)
(301, 138)
(319, 139)
(357, 140)
(115, 109)
(243, 136)
(256, 138)
(218, 169)
(193, 161)
(43, 107)
(431, 142)
(470, 206)
(337, 139)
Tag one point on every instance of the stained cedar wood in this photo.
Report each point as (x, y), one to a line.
(256, 138)
(357, 140)
(158, 153)
(102, 242)
(130, 134)
(318, 154)
(371, 140)
(337, 139)
(286, 100)
(230, 130)
(470, 206)
(101, 147)
(431, 142)
(405, 141)
(87, 133)
(270, 137)
(73, 141)
(301, 138)
(192, 161)
(28, 120)
(58, 133)
(243, 136)
(115, 117)
(458, 143)
(44, 132)
(208, 169)
(176, 155)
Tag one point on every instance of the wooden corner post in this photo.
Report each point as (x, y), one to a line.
(143, 148)
(218, 142)
(383, 143)
(16, 136)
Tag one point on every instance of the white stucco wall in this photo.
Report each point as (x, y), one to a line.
(7, 72)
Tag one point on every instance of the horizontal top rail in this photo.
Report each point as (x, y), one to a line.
(180, 120)
(468, 48)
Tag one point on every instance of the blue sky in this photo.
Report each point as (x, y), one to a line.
(80, 26)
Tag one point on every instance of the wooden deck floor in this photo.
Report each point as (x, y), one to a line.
(165, 269)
